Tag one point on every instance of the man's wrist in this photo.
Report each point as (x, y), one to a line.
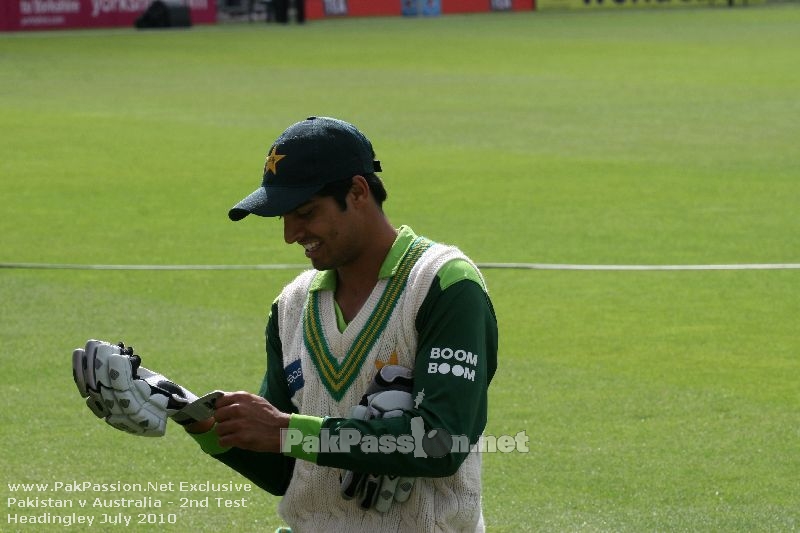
(301, 439)
(209, 441)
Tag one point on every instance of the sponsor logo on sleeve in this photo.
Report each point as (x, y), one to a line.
(457, 362)
(294, 376)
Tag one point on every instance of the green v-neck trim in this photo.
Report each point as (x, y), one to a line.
(341, 323)
(337, 377)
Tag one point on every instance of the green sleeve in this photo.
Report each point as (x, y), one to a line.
(270, 471)
(274, 386)
(456, 326)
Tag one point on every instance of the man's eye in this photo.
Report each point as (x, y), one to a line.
(305, 214)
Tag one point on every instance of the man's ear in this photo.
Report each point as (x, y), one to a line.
(359, 194)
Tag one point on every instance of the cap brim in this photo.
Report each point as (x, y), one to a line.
(278, 201)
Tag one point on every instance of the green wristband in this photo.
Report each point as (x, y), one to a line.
(209, 442)
(301, 439)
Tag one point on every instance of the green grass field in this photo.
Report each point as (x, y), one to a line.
(654, 401)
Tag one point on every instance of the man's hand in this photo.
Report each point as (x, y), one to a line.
(250, 422)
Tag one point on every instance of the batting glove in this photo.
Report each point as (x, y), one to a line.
(388, 396)
(128, 396)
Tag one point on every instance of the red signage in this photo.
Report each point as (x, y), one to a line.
(21, 15)
(316, 9)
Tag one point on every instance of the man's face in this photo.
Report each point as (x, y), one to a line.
(329, 235)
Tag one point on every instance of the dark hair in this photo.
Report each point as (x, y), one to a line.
(339, 189)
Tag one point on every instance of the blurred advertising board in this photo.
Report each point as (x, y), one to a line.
(22, 15)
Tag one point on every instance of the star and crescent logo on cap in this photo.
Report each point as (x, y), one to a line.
(272, 161)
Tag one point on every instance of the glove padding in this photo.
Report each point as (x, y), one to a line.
(388, 396)
(128, 396)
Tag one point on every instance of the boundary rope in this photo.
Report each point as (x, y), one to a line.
(508, 266)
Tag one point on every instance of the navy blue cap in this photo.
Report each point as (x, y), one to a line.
(306, 157)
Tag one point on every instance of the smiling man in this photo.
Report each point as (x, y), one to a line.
(387, 320)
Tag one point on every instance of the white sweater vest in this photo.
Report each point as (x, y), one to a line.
(312, 501)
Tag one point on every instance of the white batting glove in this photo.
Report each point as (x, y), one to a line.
(130, 397)
(388, 396)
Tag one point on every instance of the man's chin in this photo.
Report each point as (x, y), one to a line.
(321, 265)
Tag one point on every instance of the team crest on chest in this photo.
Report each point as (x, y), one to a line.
(393, 360)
